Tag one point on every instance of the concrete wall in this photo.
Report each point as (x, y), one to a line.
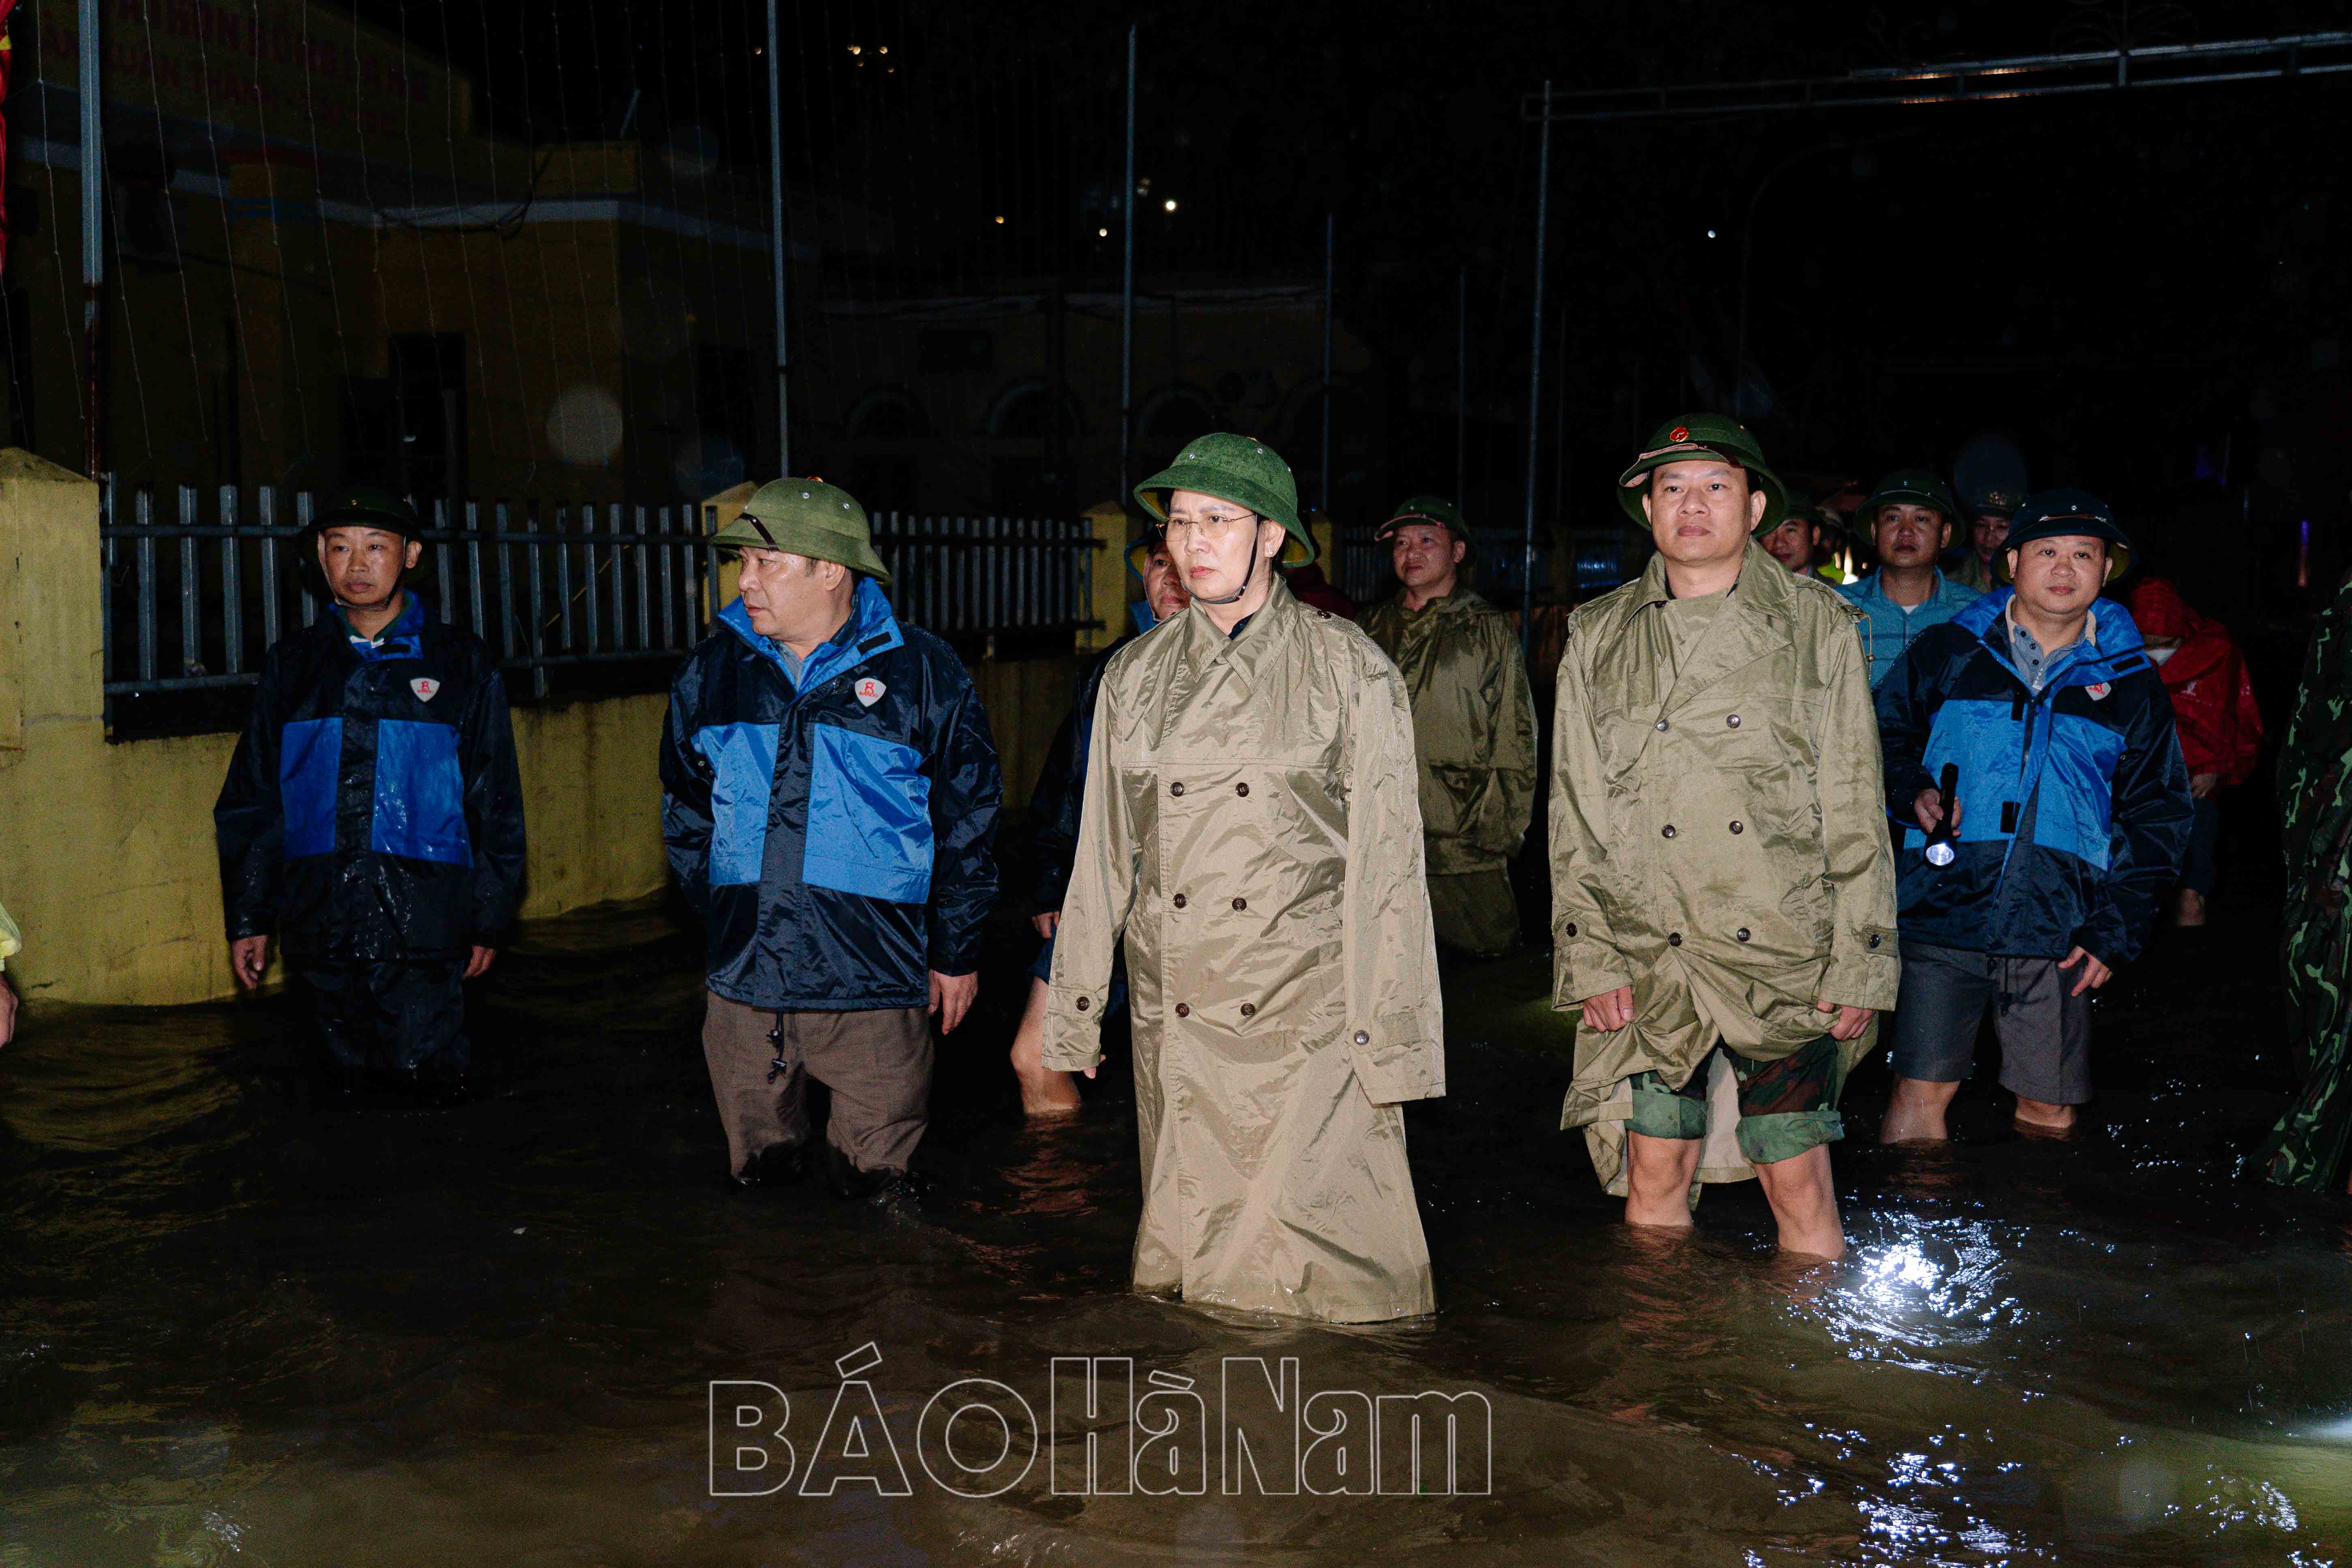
(106, 851)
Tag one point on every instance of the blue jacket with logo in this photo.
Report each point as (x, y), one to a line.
(373, 810)
(836, 835)
(1888, 630)
(2075, 806)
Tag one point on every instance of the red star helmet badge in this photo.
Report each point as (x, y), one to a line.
(1679, 433)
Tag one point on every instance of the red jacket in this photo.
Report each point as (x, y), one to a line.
(2212, 695)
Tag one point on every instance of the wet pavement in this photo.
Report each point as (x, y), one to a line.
(239, 1324)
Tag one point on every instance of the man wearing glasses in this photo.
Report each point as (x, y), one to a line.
(1251, 828)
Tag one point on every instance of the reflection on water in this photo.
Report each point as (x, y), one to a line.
(242, 1323)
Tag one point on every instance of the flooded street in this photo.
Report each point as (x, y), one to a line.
(237, 1325)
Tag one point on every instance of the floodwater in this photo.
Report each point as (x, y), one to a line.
(239, 1326)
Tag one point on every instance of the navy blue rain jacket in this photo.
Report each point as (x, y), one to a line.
(2075, 806)
(1061, 783)
(837, 838)
(373, 810)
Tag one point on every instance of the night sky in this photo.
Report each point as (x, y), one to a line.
(2144, 287)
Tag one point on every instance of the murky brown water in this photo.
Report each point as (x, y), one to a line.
(237, 1328)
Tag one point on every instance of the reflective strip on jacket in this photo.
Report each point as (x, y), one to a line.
(2075, 806)
(835, 836)
(1251, 830)
(1719, 834)
(1887, 628)
(373, 809)
(1474, 726)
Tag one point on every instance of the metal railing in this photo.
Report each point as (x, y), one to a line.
(975, 577)
(192, 600)
(544, 585)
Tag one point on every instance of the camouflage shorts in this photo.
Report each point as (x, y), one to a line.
(1786, 1106)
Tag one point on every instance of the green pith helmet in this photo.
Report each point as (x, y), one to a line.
(367, 506)
(806, 517)
(1911, 486)
(1690, 436)
(1435, 510)
(1237, 469)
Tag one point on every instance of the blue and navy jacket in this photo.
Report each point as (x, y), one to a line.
(1888, 631)
(2074, 805)
(836, 835)
(373, 810)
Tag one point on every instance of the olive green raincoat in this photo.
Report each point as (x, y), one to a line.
(1474, 726)
(1250, 828)
(1718, 842)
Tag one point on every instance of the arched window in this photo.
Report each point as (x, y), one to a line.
(1176, 415)
(888, 414)
(1027, 411)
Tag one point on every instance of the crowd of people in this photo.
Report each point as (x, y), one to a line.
(1788, 814)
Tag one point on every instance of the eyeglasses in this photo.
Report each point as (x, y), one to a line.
(1214, 529)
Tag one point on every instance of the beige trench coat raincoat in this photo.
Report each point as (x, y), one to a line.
(1718, 842)
(1474, 725)
(1250, 828)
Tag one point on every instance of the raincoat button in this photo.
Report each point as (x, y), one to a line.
(1241, 789)
(1733, 721)
(1362, 1038)
(1661, 724)
(1249, 1009)
(1674, 939)
(1182, 1011)
(1176, 789)
(1322, 615)
(1179, 901)
(1874, 938)
(1669, 830)
(1738, 827)
(1085, 1002)
(1241, 903)
(1571, 928)
(1741, 933)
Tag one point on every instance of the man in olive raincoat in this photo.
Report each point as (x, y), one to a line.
(1251, 829)
(1722, 875)
(1473, 723)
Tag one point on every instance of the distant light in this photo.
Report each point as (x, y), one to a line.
(856, 50)
(883, 50)
(1171, 204)
(1102, 234)
(1710, 234)
(1000, 218)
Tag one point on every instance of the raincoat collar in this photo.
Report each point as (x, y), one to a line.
(2110, 644)
(1452, 603)
(871, 629)
(404, 638)
(1758, 613)
(1265, 630)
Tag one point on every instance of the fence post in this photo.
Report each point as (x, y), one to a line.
(1107, 525)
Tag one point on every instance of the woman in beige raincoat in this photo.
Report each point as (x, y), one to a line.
(1251, 828)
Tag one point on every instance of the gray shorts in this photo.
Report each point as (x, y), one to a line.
(2045, 1031)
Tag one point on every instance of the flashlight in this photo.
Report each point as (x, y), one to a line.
(1939, 843)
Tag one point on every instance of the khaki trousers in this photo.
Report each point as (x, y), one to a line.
(876, 1063)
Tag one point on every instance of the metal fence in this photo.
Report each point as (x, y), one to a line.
(195, 592)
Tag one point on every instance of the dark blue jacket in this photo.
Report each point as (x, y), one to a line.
(837, 838)
(2074, 805)
(1061, 783)
(373, 810)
